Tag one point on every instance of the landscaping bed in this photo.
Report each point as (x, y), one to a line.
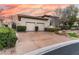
(73, 35)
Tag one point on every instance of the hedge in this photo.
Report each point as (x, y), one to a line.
(51, 29)
(21, 28)
(7, 37)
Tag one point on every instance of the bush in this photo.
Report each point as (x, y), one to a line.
(73, 34)
(21, 28)
(51, 29)
(7, 38)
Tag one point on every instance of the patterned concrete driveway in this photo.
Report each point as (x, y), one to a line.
(29, 41)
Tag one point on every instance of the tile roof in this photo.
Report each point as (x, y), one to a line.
(31, 17)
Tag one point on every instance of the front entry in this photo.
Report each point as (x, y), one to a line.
(14, 25)
(36, 28)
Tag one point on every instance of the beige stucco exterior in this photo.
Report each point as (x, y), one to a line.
(42, 24)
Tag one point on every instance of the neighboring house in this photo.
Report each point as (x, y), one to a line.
(54, 20)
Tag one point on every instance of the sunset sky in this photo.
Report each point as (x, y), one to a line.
(29, 9)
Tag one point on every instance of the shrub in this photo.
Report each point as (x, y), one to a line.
(7, 38)
(51, 29)
(21, 28)
(73, 34)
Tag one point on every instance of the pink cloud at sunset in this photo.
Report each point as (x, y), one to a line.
(31, 9)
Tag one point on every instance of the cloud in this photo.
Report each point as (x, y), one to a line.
(30, 9)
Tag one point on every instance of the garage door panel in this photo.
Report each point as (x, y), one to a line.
(30, 27)
(41, 27)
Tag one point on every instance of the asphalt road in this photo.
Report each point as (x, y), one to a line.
(72, 49)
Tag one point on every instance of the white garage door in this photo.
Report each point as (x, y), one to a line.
(30, 26)
(41, 27)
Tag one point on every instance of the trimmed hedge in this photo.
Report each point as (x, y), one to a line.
(21, 28)
(51, 29)
(7, 38)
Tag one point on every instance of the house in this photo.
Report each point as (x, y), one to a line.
(54, 20)
(34, 23)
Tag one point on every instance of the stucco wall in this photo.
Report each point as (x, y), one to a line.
(24, 20)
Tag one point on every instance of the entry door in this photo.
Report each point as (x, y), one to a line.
(30, 26)
(41, 27)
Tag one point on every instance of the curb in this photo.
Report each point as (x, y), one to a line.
(51, 48)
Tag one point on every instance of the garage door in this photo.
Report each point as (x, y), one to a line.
(30, 26)
(41, 27)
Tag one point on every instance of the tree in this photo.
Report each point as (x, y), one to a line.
(58, 12)
(71, 14)
(68, 15)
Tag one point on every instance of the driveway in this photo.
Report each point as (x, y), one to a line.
(29, 41)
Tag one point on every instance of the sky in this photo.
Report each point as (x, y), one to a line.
(77, 5)
(29, 9)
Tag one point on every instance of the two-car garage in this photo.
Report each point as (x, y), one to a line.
(31, 26)
(32, 23)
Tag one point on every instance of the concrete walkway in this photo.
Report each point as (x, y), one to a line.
(29, 41)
